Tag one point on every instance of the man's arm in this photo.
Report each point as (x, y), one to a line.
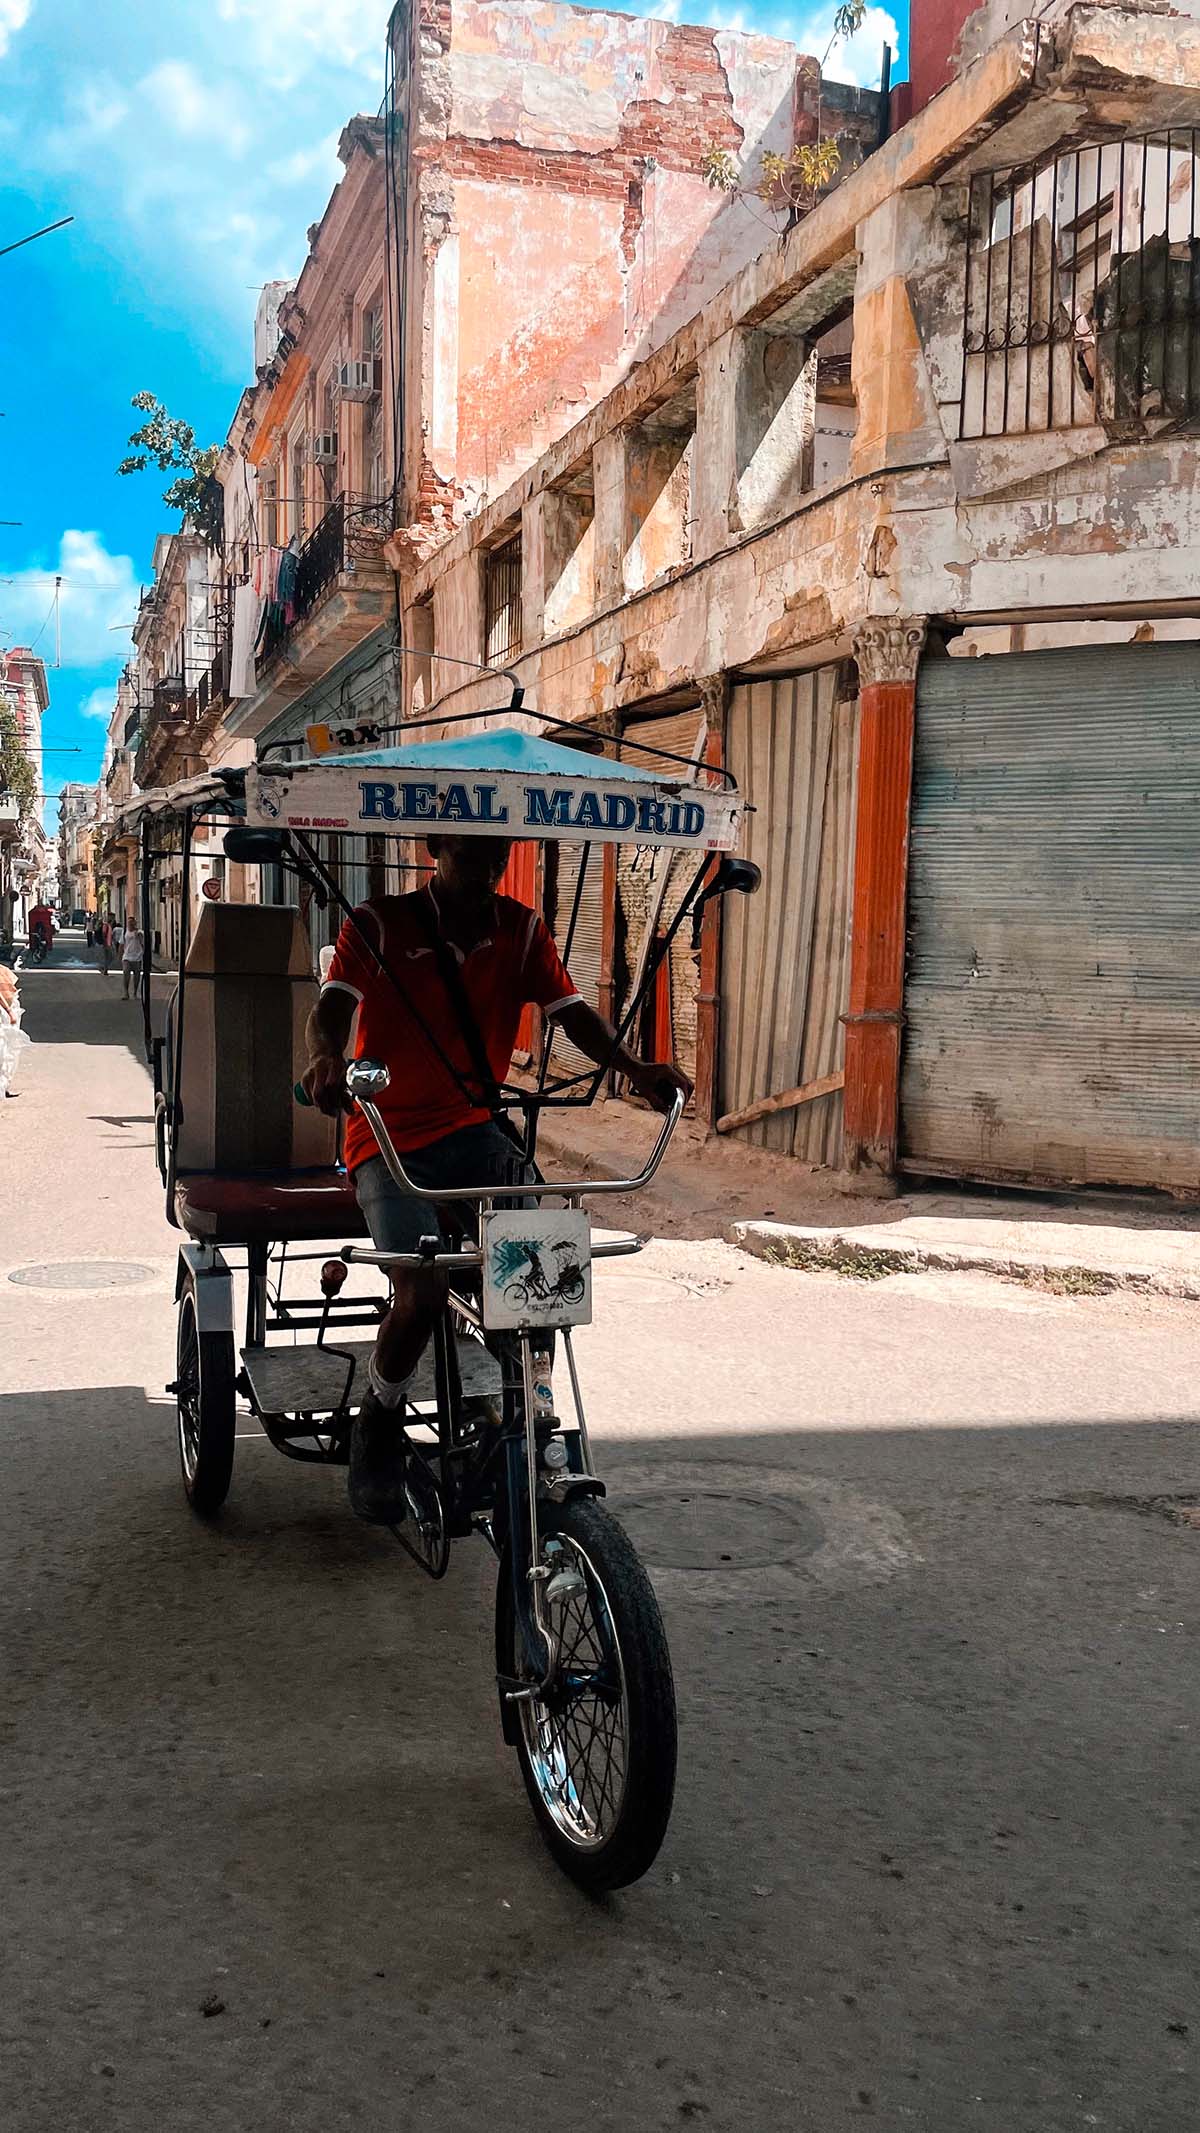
(654, 1081)
(327, 1035)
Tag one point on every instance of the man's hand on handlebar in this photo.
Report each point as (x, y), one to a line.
(324, 1083)
(658, 1084)
(328, 1034)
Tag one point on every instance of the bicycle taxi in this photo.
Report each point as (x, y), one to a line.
(254, 1183)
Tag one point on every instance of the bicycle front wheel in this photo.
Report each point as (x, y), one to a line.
(598, 1747)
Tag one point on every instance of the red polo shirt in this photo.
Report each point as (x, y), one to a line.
(518, 964)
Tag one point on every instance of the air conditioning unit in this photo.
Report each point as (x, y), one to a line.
(325, 448)
(360, 380)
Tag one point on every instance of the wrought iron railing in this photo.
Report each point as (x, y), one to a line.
(1082, 291)
(350, 534)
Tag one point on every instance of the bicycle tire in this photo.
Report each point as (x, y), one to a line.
(626, 1850)
(206, 1408)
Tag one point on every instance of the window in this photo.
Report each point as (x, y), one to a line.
(297, 516)
(270, 507)
(502, 602)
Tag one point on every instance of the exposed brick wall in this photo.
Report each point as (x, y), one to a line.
(585, 252)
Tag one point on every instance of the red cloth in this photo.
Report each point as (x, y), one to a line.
(516, 966)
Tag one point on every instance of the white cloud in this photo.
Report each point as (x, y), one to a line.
(99, 705)
(854, 59)
(286, 39)
(305, 163)
(99, 599)
(192, 108)
(14, 14)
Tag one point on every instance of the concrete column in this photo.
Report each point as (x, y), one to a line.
(609, 474)
(533, 569)
(887, 652)
(899, 423)
(715, 480)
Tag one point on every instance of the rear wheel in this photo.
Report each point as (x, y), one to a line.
(207, 1408)
(597, 1749)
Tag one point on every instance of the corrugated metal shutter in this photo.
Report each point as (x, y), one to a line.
(638, 872)
(584, 959)
(1054, 971)
(793, 748)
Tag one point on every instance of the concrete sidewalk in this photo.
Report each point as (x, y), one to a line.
(783, 1211)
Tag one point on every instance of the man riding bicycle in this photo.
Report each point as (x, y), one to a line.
(41, 926)
(469, 961)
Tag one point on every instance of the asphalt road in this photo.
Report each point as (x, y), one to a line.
(933, 1864)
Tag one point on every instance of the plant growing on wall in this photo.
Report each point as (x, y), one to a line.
(17, 779)
(171, 445)
(794, 181)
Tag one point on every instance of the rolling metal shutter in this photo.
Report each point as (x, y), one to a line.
(793, 748)
(1053, 994)
(584, 959)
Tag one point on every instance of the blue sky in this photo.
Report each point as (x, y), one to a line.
(193, 145)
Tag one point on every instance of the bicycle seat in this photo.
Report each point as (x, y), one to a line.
(268, 1207)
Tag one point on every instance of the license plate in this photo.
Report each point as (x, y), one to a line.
(537, 1268)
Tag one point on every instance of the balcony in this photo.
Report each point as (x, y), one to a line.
(179, 725)
(341, 595)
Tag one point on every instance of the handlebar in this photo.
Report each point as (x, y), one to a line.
(367, 1079)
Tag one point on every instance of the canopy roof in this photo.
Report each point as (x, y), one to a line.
(502, 748)
(499, 782)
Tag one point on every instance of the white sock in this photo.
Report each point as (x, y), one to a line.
(387, 1394)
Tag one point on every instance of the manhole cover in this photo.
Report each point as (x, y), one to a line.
(715, 1529)
(730, 1530)
(82, 1274)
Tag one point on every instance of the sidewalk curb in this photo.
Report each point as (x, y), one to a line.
(877, 1253)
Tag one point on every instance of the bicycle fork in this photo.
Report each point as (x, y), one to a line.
(535, 1582)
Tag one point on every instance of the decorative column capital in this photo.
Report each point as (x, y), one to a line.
(888, 647)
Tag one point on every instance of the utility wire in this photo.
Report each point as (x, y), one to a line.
(50, 227)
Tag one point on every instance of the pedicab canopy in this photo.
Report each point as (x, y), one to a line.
(502, 783)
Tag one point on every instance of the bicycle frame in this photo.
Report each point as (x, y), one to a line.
(525, 1406)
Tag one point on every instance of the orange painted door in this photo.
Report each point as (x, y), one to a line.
(520, 880)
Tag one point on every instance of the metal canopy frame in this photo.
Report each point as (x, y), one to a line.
(215, 797)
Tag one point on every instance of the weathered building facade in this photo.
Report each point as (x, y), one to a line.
(27, 860)
(1017, 482)
(887, 504)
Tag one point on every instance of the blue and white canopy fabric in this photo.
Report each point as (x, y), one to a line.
(501, 783)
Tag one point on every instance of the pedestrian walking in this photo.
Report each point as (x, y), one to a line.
(133, 949)
(104, 945)
(90, 930)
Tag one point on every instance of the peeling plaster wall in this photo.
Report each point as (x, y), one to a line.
(1046, 529)
(562, 226)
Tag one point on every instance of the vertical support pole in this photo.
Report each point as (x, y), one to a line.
(607, 990)
(887, 653)
(715, 698)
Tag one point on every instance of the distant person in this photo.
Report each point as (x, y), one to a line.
(90, 930)
(104, 945)
(133, 950)
(41, 923)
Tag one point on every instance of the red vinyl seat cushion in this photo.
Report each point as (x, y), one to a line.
(269, 1207)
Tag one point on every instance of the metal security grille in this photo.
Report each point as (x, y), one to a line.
(1053, 989)
(1082, 296)
(502, 603)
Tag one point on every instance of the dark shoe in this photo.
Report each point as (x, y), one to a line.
(377, 1464)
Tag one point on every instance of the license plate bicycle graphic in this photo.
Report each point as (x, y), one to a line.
(537, 1268)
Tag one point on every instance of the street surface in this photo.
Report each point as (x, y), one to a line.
(933, 1865)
